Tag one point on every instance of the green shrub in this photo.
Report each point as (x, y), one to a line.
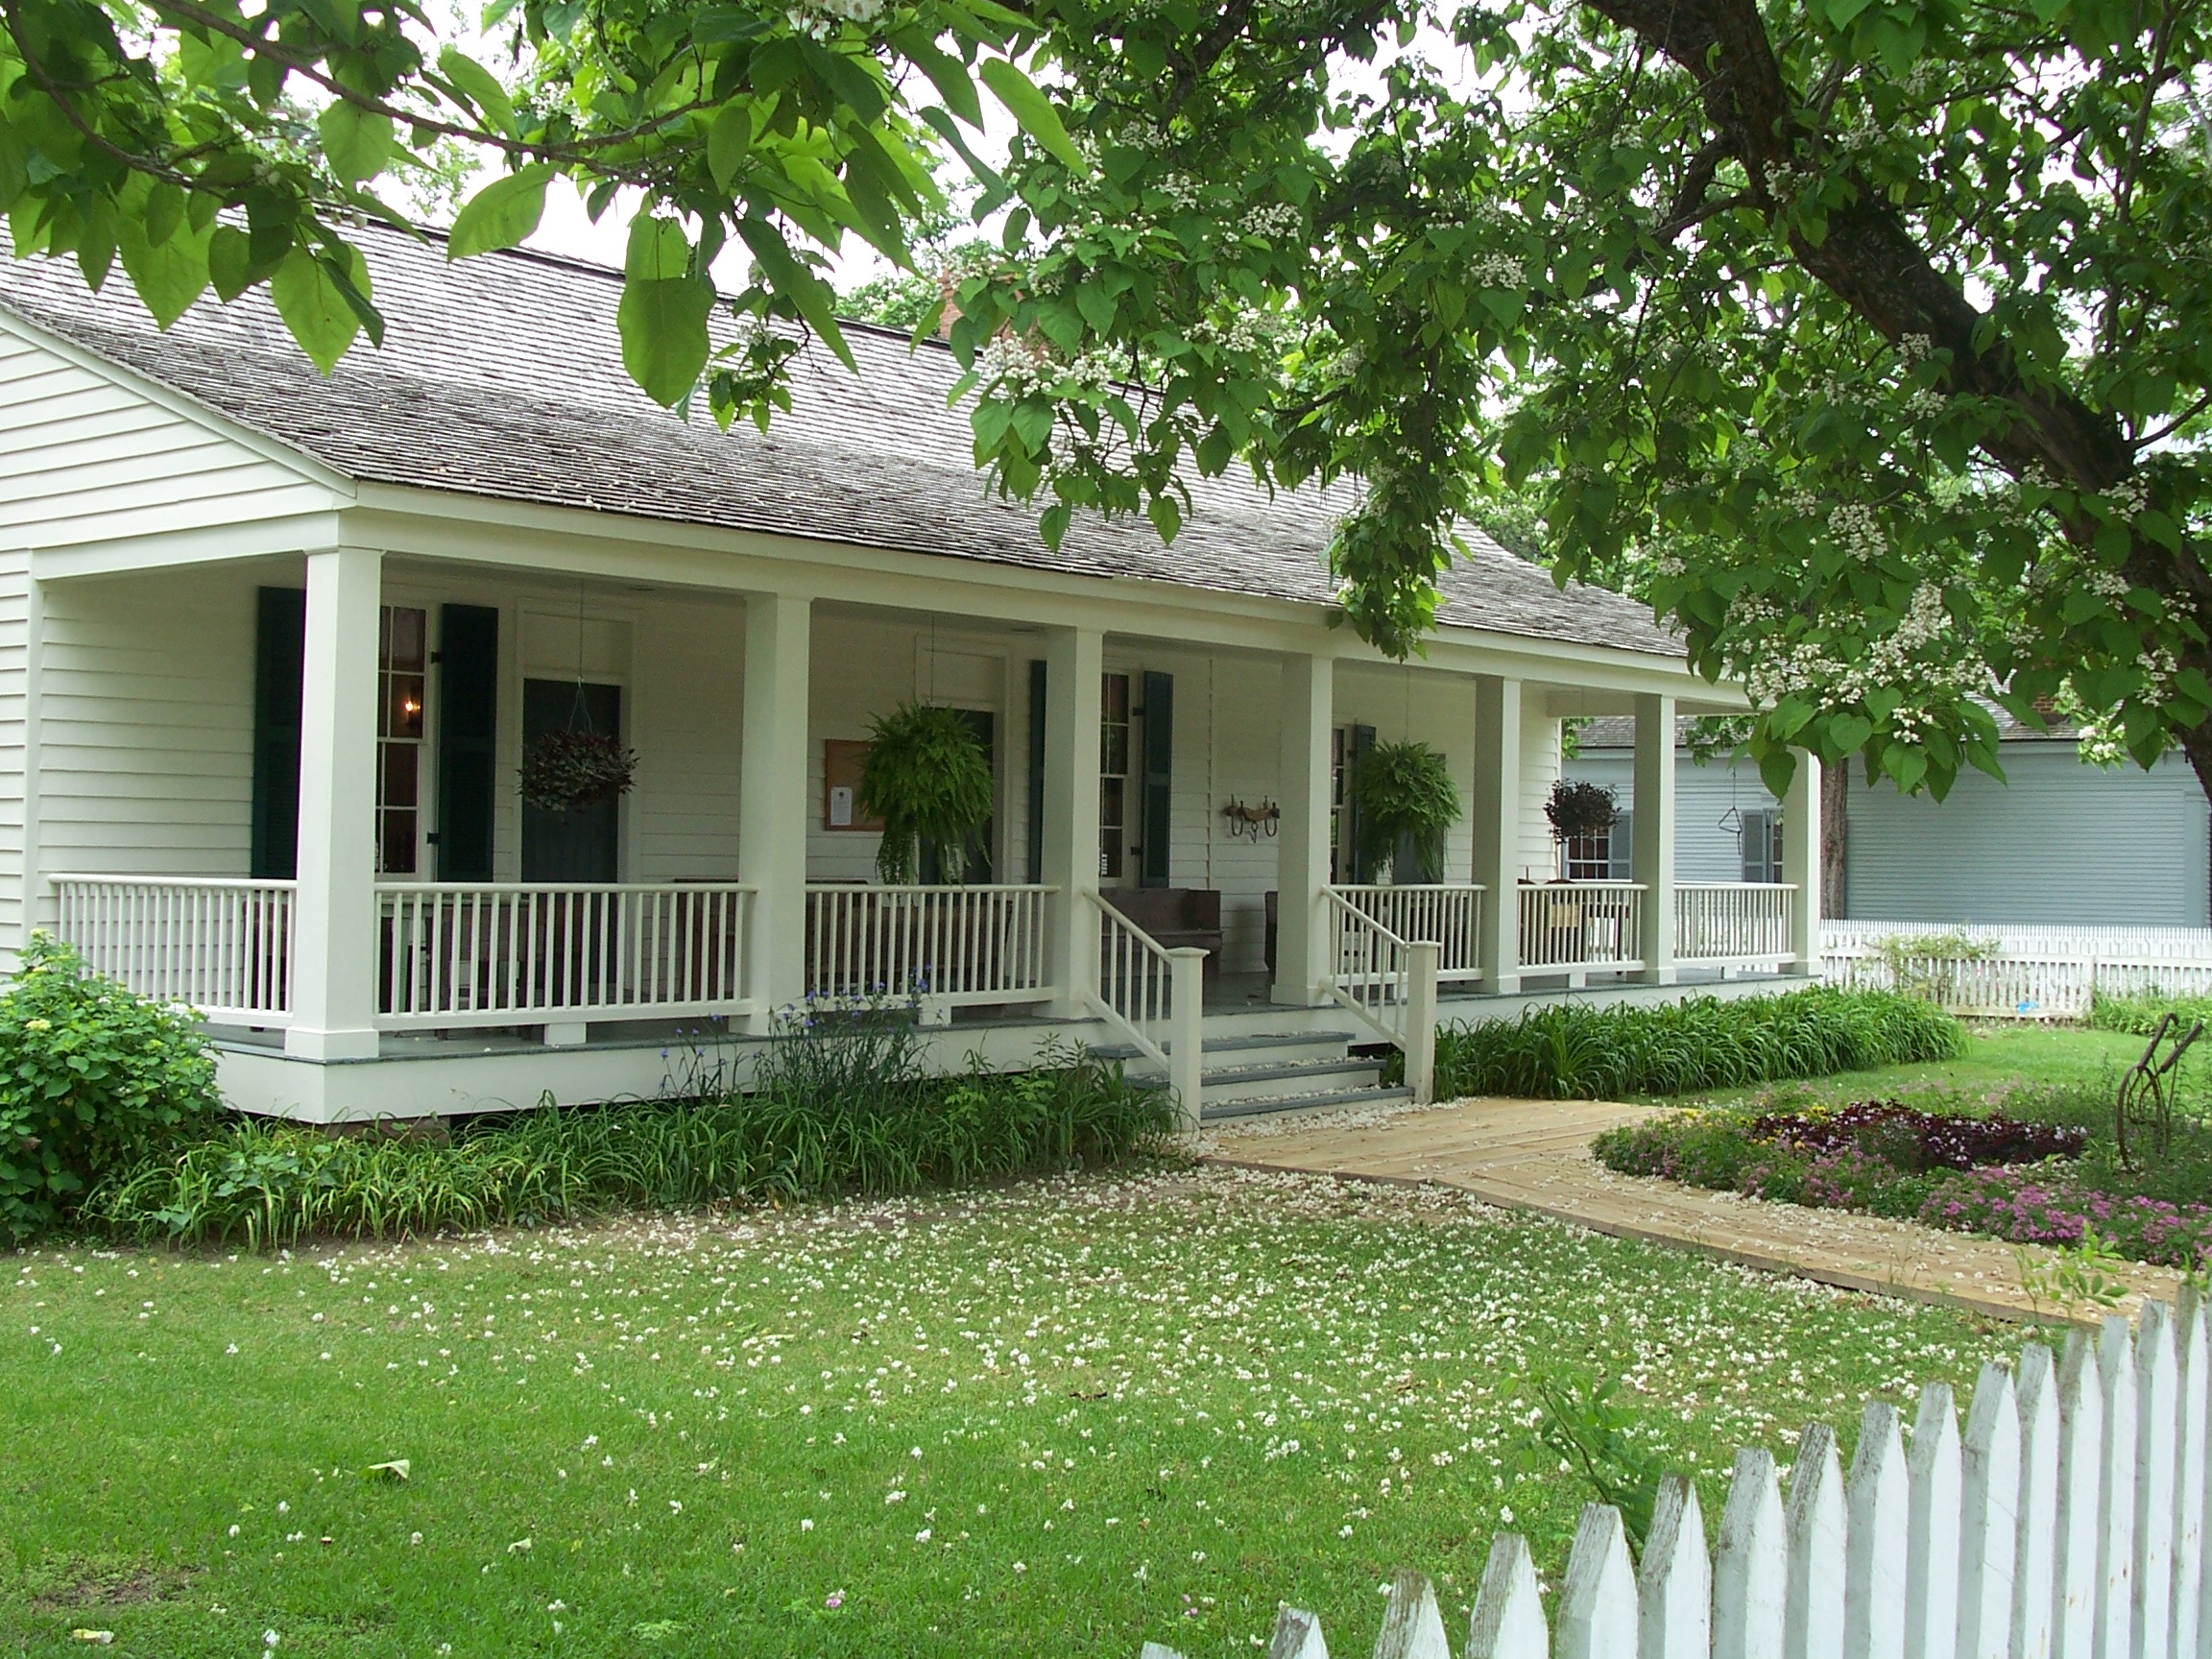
(265, 1184)
(1578, 1050)
(2141, 1014)
(93, 1076)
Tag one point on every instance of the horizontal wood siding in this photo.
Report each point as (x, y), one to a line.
(1708, 801)
(2064, 842)
(147, 724)
(15, 674)
(84, 457)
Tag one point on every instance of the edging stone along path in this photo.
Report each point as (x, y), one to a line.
(1535, 1155)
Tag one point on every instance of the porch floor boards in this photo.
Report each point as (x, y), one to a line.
(1534, 1155)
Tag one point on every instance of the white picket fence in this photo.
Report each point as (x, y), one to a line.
(2038, 939)
(2016, 987)
(2067, 1523)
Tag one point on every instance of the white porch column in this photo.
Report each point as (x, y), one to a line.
(772, 799)
(1308, 705)
(1652, 835)
(334, 929)
(1497, 829)
(1801, 862)
(1074, 660)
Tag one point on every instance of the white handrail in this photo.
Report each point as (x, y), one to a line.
(1387, 982)
(1449, 913)
(982, 944)
(557, 954)
(1154, 998)
(217, 943)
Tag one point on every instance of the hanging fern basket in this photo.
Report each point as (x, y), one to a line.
(927, 777)
(1580, 809)
(1404, 792)
(567, 771)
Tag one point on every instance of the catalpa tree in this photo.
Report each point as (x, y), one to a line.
(1874, 334)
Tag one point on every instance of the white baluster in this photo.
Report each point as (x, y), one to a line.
(2116, 1497)
(1508, 1618)
(1675, 1588)
(1878, 1507)
(2075, 1557)
(1598, 1610)
(1814, 1621)
(1931, 1570)
(1989, 1519)
(2034, 1544)
(2150, 1633)
(1751, 1569)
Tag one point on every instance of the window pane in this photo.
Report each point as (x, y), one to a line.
(396, 842)
(1110, 826)
(403, 705)
(405, 632)
(402, 769)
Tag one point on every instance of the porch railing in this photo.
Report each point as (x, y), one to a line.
(526, 954)
(219, 945)
(1386, 981)
(1449, 914)
(1733, 922)
(1581, 925)
(1155, 997)
(947, 945)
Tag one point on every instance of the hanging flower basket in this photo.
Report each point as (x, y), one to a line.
(566, 771)
(1403, 790)
(927, 777)
(1579, 810)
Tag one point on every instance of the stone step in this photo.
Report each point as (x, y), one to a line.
(1226, 1083)
(1251, 1047)
(1333, 1101)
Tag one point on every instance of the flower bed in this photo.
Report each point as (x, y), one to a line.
(2006, 1177)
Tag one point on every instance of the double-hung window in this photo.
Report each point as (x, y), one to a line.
(401, 653)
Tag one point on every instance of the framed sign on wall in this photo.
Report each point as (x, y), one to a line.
(841, 763)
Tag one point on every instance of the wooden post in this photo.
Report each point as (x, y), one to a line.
(2081, 1499)
(1751, 1570)
(1651, 833)
(1075, 661)
(2116, 1495)
(1989, 1521)
(1674, 1590)
(1187, 1026)
(335, 927)
(1421, 1020)
(772, 800)
(1309, 706)
(1598, 1608)
(1496, 824)
(1875, 1540)
(1814, 1623)
(1931, 1565)
(1412, 1628)
(2156, 1445)
(1297, 1636)
(2035, 1549)
(1508, 1618)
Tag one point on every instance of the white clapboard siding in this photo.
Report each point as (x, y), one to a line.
(2066, 1519)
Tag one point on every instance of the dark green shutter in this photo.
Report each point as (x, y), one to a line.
(279, 659)
(1036, 771)
(1359, 864)
(468, 740)
(1159, 793)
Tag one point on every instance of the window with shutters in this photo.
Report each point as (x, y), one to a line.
(1762, 839)
(402, 655)
(1113, 776)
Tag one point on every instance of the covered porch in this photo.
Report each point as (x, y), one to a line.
(375, 924)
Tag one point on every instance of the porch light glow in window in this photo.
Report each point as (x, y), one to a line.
(1113, 772)
(401, 656)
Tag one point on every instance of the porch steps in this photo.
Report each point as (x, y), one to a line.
(1249, 1074)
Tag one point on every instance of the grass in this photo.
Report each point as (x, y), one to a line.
(1065, 1416)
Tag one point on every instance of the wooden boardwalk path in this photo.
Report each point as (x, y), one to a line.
(1534, 1155)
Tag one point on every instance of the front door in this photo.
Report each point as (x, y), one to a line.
(584, 845)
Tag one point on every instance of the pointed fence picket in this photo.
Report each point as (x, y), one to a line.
(2068, 1522)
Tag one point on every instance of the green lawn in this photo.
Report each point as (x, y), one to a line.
(1063, 1417)
(2001, 1057)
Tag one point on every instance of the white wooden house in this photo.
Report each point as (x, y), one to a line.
(272, 643)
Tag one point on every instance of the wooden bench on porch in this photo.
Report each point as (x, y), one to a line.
(1176, 916)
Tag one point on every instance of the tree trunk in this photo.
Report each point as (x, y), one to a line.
(1835, 828)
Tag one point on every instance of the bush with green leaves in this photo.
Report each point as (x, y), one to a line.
(1404, 793)
(840, 1109)
(93, 1076)
(927, 777)
(1579, 1050)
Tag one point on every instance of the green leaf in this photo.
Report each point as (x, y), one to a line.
(729, 140)
(658, 251)
(948, 73)
(481, 87)
(356, 142)
(502, 214)
(1847, 731)
(169, 274)
(1031, 109)
(795, 283)
(317, 314)
(664, 329)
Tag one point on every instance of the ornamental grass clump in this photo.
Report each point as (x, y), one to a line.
(1576, 1050)
(92, 1078)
